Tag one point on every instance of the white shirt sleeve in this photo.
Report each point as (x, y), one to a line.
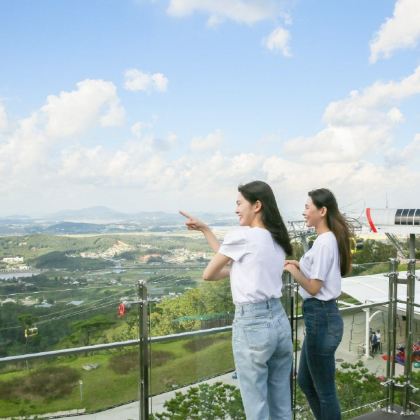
(235, 245)
(322, 262)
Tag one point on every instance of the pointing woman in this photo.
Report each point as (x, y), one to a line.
(261, 339)
(319, 274)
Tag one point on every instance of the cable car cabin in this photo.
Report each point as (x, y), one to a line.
(397, 221)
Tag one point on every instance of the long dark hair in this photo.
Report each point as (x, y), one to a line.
(336, 222)
(270, 214)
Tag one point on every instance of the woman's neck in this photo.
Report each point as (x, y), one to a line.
(322, 227)
(257, 222)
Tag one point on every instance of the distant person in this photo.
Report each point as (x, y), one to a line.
(319, 274)
(379, 344)
(373, 343)
(253, 256)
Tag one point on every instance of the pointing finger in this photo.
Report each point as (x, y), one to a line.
(185, 214)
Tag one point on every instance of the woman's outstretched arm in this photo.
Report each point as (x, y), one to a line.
(193, 223)
(218, 267)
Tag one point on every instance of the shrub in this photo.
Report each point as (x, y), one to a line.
(356, 386)
(127, 362)
(201, 343)
(217, 401)
(49, 383)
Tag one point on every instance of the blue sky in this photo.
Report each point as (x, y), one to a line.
(167, 104)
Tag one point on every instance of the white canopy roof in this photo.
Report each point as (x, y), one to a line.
(374, 288)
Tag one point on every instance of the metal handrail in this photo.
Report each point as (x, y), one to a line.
(156, 339)
(365, 405)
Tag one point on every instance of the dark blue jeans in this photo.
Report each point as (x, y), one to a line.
(316, 376)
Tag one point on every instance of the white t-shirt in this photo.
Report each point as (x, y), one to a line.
(257, 265)
(322, 262)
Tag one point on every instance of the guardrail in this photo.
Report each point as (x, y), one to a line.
(145, 340)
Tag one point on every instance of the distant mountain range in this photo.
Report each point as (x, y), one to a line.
(91, 213)
(102, 219)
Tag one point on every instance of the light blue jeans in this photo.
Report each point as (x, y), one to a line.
(262, 349)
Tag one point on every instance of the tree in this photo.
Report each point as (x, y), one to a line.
(183, 313)
(85, 330)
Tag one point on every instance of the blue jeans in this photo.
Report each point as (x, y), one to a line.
(316, 376)
(262, 349)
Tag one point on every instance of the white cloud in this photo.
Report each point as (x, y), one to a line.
(3, 117)
(70, 113)
(408, 155)
(242, 11)
(136, 80)
(402, 30)
(138, 128)
(360, 124)
(353, 154)
(27, 152)
(360, 107)
(278, 40)
(210, 142)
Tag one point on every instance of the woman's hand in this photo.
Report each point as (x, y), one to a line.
(312, 286)
(193, 223)
(291, 268)
(292, 262)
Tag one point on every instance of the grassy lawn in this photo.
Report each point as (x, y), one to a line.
(189, 361)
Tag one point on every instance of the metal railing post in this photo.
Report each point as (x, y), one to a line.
(392, 338)
(290, 302)
(411, 277)
(143, 352)
(287, 300)
(409, 337)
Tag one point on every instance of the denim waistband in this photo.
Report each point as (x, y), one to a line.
(318, 302)
(252, 307)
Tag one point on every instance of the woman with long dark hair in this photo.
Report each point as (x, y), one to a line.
(253, 257)
(319, 274)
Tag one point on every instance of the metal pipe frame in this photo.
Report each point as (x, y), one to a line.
(155, 339)
(145, 340)
(392, 325)
(409, 338)
(287, 301)
(411, 277)
(143, 352)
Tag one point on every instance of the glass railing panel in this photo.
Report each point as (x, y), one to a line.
(358, 379)
(354, 370)
(178, 363)
(59, 303)
(82, 383)
(196, 360)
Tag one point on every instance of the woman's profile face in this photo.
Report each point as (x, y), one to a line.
(244, 210)
(312, 214)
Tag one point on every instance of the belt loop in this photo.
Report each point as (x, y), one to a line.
(242, 310)
(267, 304)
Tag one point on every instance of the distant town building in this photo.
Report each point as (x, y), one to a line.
(13, 260)
(75, 302)
(8, 300)
(28, 301)
(44, 304)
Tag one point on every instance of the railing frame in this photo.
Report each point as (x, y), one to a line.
(290, 294)
(145, 341)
